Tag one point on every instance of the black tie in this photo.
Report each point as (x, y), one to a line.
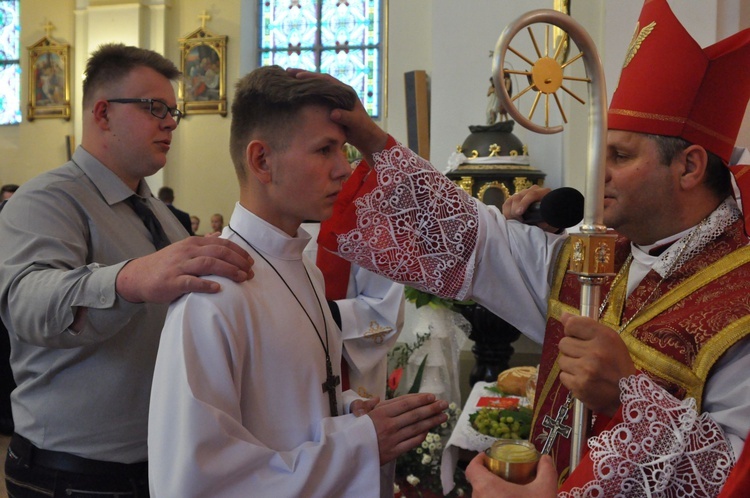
(158, 236)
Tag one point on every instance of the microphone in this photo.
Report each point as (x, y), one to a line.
(561, 208)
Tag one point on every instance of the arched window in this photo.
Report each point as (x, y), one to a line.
(10, 67)
(338, 37)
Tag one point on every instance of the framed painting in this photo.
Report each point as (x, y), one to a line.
(202, 88)
(49, 80)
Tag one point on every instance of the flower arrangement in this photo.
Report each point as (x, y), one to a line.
(418, 470)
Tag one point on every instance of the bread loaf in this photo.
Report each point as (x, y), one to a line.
(514, 380)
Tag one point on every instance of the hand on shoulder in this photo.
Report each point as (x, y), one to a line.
(167, 274)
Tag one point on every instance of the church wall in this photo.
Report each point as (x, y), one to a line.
(450, 40)
(31, 148)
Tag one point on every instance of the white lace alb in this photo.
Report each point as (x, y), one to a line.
(663, 448)
(415, 227)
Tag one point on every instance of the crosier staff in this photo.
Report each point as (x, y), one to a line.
(593, 248)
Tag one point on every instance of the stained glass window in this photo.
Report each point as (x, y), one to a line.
(10, 67)
(337, 37)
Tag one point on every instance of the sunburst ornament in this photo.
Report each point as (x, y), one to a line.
(635, 43)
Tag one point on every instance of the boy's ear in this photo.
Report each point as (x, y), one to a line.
(257, 155)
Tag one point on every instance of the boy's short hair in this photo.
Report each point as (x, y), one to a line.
(112, 62)
(267, 102)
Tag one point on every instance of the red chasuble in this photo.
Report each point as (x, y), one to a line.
(738, 484)
(336, 269)
(680, 325)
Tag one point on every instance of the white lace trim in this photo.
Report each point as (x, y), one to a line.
(663, 448)
(707, 231)
(416, 227)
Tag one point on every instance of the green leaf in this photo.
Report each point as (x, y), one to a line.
(418, 377)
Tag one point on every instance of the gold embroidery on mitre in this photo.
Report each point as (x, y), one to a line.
(637, 40)
(649, 115)
(377, 332)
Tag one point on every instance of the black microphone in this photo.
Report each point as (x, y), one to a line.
(561, 208)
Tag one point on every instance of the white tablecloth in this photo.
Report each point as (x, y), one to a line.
(464, 436)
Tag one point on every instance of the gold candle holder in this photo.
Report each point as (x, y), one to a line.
(514, 460)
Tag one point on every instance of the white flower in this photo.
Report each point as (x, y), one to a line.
(460, 492)
(425, 444)
(418, 450)
(432, 446)
(452, 406)
(444, 425)
(397, 490)
(426, 459)
(412, 479)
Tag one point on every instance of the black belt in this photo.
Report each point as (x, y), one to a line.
(28, 455)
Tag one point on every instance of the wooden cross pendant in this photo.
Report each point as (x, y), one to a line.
(556, 427)
(329, 387)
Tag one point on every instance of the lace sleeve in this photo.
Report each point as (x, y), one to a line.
(416, 227)
(662, 448)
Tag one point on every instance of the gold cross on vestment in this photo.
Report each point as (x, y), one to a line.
(556, 427)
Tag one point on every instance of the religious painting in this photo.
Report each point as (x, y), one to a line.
(202, 89)
(49, 80)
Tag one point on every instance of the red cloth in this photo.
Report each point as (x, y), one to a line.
(334, 268)
(738, 483)
(741, 174)
(584, 473)
(344, 218)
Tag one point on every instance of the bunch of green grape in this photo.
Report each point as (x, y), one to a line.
(504, 424)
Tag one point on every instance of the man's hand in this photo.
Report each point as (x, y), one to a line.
(402, 423)
(593, 359)
(167, 274)
(361, 131)
(361, 407)
(517, 204)
(485, 484)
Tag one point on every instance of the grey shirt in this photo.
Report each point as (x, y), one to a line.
(63, 239)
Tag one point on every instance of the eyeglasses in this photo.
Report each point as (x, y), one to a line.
(157, 108)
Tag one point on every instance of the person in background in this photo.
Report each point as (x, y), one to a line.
(673, 318)
(89, 261)
(7, 191)
(7, 384)
(194, 223)
(166, 195)
(217, 223)
(247, 384)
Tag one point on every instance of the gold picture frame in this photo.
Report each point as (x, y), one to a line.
(49, 80)
(202, 88)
